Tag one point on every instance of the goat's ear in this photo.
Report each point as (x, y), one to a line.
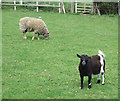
(78, 56)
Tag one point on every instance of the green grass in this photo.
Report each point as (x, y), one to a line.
(48, 69)
(0, 55)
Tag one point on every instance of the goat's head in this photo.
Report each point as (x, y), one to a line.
(84, 58)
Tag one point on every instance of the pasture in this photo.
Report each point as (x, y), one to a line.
(48, 69)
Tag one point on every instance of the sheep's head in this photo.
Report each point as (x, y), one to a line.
(46, 35)
(84, 58)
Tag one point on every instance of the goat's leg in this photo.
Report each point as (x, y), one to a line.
(103, 77)
(89, 81)
(38, 37)
(24, 35)
(98, 80)
(33, 36)
(81, 82)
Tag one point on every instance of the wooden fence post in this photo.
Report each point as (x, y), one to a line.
(75, 6)
(37, 6)
(59, 8)
(0, 4)
(98, 9)
(63, 7)
(92, 11)
(14, 6)
(84, 7)
(72, 6)
(95, 8)
(119, 8)
(21, 2)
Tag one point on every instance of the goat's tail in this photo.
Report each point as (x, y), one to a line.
(101, 53)
(102, 61)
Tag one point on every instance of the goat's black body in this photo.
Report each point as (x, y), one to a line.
(96, 65)
(85, 70)
(88, 66)
(93, 66)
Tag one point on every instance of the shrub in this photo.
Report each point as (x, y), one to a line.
(108, 7)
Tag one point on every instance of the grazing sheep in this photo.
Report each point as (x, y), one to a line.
(92, 65)
(28, 24)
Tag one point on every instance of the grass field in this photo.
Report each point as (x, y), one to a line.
(48, 69)
(0, 55)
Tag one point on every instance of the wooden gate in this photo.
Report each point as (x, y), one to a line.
(84, 8)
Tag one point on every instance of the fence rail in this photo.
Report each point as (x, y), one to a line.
(60, 5)
(30, 5)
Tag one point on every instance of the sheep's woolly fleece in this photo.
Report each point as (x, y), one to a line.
(28, 24)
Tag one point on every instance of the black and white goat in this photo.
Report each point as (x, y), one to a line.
(92, 65)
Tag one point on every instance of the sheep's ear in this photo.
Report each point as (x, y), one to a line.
(78, 56)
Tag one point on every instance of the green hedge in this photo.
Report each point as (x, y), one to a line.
(108, 7)
(104, 7)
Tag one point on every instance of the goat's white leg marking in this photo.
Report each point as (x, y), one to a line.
(98, 76)
(98, 80)
(33, 36)
(89, 84)
(103, 76)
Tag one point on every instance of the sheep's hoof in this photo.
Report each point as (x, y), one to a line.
(98, 81)
(32, 38)
(46, 38)
(24, 37)
(103, 83)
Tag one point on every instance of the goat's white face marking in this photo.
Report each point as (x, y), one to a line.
(83, 63)
(84, 59)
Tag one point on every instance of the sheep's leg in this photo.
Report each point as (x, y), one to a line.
(24, 35)
(33, 36)
(81, 82)
(98, 80)
(38, 37)
(89, 82)
(103, 76)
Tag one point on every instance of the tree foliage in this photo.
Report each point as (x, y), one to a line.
(108, 7)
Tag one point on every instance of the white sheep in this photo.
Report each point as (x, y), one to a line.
(28, 24)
